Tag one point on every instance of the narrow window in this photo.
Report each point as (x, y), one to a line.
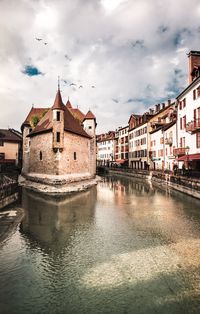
(198, 140)
(58, 115)
(40, 155)
(194, 94)
(1, 143)
(58, 137)
(74, 155)
(184, 122)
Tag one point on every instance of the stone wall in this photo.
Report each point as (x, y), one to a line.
(42, 143)
(187, 185)
(74, 158)
(26, 150)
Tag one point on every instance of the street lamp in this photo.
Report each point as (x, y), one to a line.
(187, 158)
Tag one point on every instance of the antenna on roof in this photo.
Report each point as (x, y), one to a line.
(32, 105)
(58, 82)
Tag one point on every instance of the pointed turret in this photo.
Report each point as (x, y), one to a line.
(58, 104)
(89, 123)
(90, 115)
(58, 109)
(68, 105)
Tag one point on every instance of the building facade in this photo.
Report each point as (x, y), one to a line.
(105, 148)
(122, 146)
(187, 151)
(10, 147)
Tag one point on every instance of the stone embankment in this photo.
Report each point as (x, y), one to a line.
(57, 186)
(184, 184)
(8, 190)
(9, 220)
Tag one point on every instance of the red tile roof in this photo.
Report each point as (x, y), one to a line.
(58, 104)
(77, 114)
(68, 104)
(71, 124)
(39, 112)
(89, 115)
(75, 111)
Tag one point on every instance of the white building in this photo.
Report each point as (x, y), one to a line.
(163, 140)
(105, 148)
(188, 118)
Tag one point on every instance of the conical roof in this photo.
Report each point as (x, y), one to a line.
(89, 115)
(68, 104)
(58, 104)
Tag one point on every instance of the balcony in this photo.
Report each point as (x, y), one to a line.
(193, 126)
(179, 151)
(169, 141)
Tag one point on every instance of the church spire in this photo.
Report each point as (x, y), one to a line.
(58, 82)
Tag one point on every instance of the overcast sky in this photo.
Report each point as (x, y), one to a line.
(123, 56)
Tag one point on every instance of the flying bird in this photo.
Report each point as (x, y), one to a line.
(68, 58)
(38, 39)
(93, 86)
(72, 84)
(64, 81)
(45, 43)
(81, 86)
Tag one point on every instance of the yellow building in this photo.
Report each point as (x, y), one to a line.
(10, 147)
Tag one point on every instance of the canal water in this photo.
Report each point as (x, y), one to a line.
(120, 247)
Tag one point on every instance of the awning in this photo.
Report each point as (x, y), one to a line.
(121, 161)
(189, 157)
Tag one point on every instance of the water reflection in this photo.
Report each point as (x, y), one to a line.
(121, 247)
(51, 220)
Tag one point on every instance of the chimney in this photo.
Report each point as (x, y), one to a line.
(151, 111)
(194, 61)
(169, 102)
(157, 108)
(163, 105)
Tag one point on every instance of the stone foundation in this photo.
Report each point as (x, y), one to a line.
(58, 184)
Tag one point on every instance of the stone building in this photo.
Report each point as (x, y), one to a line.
(61, 147)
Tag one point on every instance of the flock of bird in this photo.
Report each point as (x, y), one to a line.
(69, 59)
(39, 39)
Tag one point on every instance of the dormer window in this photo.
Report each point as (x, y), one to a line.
(58, 116)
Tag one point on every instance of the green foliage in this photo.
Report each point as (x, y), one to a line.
(34, 121)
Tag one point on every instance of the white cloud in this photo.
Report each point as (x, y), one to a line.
(132, 51)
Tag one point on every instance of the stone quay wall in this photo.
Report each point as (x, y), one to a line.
(184, 184)
(8, 191)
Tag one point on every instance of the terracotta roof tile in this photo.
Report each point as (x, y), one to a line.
(68, 104)
(77, 114)
(89, 115)
(34, 112)
(58, 104)
(71, 124)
